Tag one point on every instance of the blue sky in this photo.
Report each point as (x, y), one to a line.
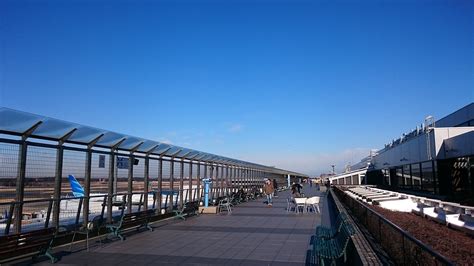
(296, 84)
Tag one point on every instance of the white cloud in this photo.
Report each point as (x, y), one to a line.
(234, 128)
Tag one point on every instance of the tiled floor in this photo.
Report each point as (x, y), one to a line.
(252, 235)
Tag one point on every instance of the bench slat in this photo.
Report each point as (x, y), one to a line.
(37, 242)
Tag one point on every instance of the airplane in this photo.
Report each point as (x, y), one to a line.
(71, 206)
(77, 189)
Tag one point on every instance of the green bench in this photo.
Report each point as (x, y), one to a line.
(330, 242)
(189, 208)
(38, 243)
(331, 248)
(136, 219)
(330, 232)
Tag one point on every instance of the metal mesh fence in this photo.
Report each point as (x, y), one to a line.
(138, 175)
(153, 175)
(8, 172)
(186, 170)
(74, 163)
(166, 172)
(202, 171)
(100, 173)
(40, 207)
(40, 172)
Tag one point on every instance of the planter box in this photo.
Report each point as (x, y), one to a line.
(210, 209)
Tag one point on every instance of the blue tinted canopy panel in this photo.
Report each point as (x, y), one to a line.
(14, 122)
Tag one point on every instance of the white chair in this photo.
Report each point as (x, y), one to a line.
(224, 204)
(300, 202)
(313, 203)
(290, 204)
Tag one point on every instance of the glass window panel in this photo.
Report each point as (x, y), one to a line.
(399, 173)
(407, 177)
(355, 179)
(416, 175)
(16, 121)
(386, 176)
(427, 176)
(348, 180)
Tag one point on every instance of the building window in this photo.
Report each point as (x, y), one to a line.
(355, 179)
(400, 179)
(428, 182)
(386, 177)
(407, 176)
(416, 176)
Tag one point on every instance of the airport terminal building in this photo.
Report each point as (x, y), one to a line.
(436, 159)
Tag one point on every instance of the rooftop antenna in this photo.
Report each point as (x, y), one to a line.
(429, 125)
(348, 167)
(429, 122)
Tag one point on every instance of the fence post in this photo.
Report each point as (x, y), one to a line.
(20, 180)
(190, 181)
(181, 183)
(198, 180)
(160, 184)
(146, 178)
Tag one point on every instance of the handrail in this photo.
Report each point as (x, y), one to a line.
(403, 233)
(47, 204)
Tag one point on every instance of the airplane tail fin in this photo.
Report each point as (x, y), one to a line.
(77, 189)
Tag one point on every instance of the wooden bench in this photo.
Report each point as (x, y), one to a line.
(38, 243)
(189, 208)
(136, 219)
(332, 248)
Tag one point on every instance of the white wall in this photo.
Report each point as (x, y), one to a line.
(359, 173)
(458, 146)
(415, 150)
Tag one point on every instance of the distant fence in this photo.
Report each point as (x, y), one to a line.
(402, 248)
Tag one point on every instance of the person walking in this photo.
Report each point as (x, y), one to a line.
(297, 186)
(275, 188)
(268, 189)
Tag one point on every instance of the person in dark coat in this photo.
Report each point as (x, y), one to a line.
(297, 186)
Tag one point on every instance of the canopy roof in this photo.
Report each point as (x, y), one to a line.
(20, 123)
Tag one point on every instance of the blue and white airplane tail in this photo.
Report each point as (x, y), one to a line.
(77, 189)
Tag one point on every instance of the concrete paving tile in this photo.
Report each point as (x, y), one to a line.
(252, 235)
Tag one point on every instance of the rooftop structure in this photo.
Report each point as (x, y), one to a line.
(436, 159)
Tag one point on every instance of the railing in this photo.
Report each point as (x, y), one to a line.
(40, 213)
(403, 248)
